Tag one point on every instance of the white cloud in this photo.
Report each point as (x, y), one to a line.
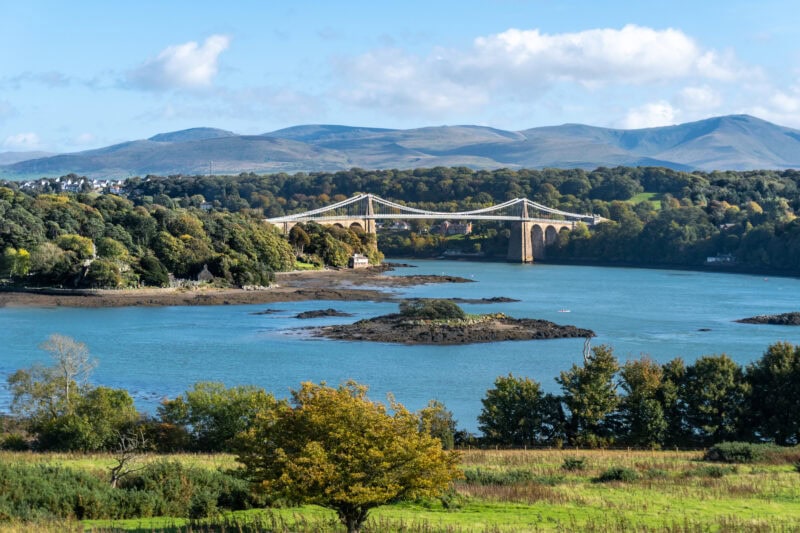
(391, 80)
(521, 65)
(22, 141)
(650, 115)
(633, 54)
(699, 98)
(182, 66)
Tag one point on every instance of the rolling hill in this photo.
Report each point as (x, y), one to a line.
(735, 142)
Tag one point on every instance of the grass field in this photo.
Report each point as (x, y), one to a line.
(653, 197)
(530, 491)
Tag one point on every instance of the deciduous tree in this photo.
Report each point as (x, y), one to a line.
(336, 448)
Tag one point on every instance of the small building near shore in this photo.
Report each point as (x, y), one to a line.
(358, 261)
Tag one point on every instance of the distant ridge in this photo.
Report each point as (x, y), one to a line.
(734, 142)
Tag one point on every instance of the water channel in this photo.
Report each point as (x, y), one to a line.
(160, 352)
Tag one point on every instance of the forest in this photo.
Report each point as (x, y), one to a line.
(178, 224)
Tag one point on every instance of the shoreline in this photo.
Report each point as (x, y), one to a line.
(302, 285)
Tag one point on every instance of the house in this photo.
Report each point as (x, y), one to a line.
(358, 261)
(721, 259)
(455, 228)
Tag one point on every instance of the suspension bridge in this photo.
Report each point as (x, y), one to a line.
(535, 225)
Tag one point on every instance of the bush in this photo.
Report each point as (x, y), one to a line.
(617, 473)
(14, 443)
(33, 493)
(656, 473)
(494, 477)
(739, 452)
(572, 464)
(432, 309)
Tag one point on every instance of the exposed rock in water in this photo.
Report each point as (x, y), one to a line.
(420, 279)
(488, 328)
(492, 300)
(785, 319)
(268, 312)
(321, 313)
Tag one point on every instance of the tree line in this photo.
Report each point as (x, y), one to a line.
(639, 403)
(683, 218)
(106, 241)
(645, 404)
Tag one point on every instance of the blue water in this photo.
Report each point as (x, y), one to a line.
(160, 352)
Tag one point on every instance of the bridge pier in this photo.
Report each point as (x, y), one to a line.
(520, 244)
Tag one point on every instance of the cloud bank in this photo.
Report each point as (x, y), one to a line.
(182, 66)
(523, 65)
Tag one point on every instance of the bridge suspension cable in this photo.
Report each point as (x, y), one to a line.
(371, 207)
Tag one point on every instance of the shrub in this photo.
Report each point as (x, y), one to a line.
(432, 309)
(656, 473)
(797, 467)
(617, 473)
(739, 452)
(494, 477)
(572, 464)
(14, 443)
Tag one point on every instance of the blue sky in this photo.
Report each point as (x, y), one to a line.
(84, 74)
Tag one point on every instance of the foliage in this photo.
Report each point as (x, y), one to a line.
(432, 309)
(338, 449)
(740, 452)
(482, 476)
(517, 412)
(62, 410)
(774, 399)
(590, 395)
(641, 412)
(437, 421)
(214, 415)
(617, 473)
(573, 464)
(714, 392)
(165, 488)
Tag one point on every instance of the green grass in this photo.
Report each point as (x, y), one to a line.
(653, 197)
(299, 265)
(673, 490)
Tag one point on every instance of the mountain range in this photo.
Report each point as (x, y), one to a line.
(734, 142)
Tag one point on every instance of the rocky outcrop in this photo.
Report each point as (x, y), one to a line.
(487, 328)
(319, 313)
(785, 319)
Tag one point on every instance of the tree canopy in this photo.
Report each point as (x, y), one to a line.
(336, 448)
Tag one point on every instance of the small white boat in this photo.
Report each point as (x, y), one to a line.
(563, 310)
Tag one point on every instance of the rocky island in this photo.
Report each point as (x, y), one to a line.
(443, 322)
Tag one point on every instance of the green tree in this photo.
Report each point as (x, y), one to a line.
(590, 394)
(641, 412)
(152, 272)
(62, 410)
(103, 273)
(516, 412)
(336, 448)
(437, 421)
(774, 400)
(214, 414)
(299, 239)
(714, 391)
